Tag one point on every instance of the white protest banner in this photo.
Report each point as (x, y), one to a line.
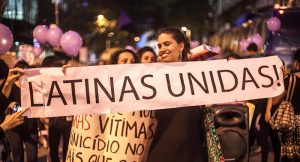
(134, 87)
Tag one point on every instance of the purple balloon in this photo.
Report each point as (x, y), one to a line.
(258, 40)
(37, 51)
(244, 44)
(53, 35)
(6, 39)
(39, 33)
(216, 49)
(71, 43)
(273, 24)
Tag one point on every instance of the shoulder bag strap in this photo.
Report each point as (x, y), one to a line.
(291, 87)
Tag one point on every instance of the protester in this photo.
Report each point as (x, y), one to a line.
(252, 51)
(26, 133)
(105, 56)
(146, 55)
(124, 56)
(290, 141)
(58, 126)
(179, 135)
(266, 130)
(260, 104)
(109, 127)
(3, 72)
(252, 48)
(127, 56)
(3, 75)
(9, 121)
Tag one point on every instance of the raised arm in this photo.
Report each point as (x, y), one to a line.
(13, 74)
(268, 110)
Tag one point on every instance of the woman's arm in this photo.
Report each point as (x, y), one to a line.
(13, 74)
(13, 120)
(271, 102)
(268, 110)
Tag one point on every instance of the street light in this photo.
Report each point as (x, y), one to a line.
(136, 39)
(184, 28)
(102, 23)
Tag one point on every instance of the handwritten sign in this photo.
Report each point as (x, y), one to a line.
(120, 137)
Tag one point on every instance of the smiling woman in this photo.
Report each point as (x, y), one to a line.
(179, 135)
(172, 45)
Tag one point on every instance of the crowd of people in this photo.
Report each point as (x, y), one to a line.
(179, 134)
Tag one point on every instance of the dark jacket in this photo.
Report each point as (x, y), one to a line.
(179, 136)
(3, 144)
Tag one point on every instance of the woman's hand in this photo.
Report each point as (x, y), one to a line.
(13, 74)
(64, 68)
(11, 105)
(13, 120)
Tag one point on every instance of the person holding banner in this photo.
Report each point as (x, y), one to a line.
(59, 127)
(146, 55)
(105, 56)
(124, 56)
(10, 121)
(180, 134)
(26, 133)
(120, 136)
(3, 78)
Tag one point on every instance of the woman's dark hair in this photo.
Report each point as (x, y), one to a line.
(22, 64)
(115, 56)
(141, 51)
(179, 37)
(252, 47)
(52, 61)
(3, 69)
(297, 55)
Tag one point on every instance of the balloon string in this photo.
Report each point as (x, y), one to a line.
(56, 13)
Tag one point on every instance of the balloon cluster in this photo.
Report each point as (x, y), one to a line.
(273, 25)
(255, 38)
(6, 39)
(70, 41)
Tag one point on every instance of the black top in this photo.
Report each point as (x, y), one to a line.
(3, 145)
(179, 136)
(30, 124)
(296, 95)
(3, 105)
